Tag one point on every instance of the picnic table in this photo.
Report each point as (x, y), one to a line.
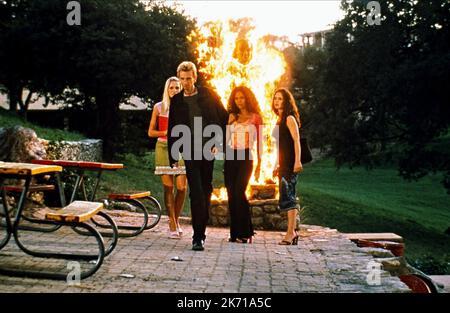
(81, 168)
(74, 215)
(150, 213)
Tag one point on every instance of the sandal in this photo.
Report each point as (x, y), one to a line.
(293, 242)
(174, 235)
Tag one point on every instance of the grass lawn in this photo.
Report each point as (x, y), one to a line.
(378, 201)
(8, 119)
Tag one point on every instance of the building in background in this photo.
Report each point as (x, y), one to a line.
(314, 39)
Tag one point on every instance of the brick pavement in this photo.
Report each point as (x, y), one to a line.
(324, 261)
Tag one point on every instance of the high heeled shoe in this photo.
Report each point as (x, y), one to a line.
(293, 242)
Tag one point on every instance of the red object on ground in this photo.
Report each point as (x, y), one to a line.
(416, 283)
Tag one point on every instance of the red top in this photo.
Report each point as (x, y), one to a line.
(163, 125)
(163, 121)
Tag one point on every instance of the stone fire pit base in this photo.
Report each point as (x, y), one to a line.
(265, 214)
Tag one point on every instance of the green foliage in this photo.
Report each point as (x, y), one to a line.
(307, 66)
(134, 137)
(380, 93)
(149, 160)
(432, 266)
(121, 49)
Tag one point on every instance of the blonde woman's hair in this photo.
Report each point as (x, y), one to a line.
(166, 99)
(187, 66)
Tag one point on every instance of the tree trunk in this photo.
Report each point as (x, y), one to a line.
(13, 100)
(24, 105)
(14, 95)
(109, 129)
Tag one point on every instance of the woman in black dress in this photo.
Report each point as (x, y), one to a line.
(289, 164)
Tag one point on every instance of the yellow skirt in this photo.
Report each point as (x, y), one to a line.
(162, 166)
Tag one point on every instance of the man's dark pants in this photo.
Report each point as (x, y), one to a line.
(199, 174)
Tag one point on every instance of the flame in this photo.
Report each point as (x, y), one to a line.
(219, 194)
(232, 53)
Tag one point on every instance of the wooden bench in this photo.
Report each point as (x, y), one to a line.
(33, 188)
(397, 248)
(76, 212)
(72, 216)
(131, 195)
(374, 237)
(151, 211)
(388, 241)
(80, 164)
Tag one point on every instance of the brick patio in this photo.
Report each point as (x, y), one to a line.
(324, 261)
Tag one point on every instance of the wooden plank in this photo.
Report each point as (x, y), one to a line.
(397, 248)
(131, 195)
(56, 162)
(33, 188)
(105, 166)
(24, 169)
(81, 164)
(77, 211)
(375, 237)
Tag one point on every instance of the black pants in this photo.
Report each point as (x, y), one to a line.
(199, 174)
(237, 176)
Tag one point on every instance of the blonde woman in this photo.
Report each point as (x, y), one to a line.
(158, 129)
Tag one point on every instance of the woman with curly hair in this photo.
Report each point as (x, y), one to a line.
(242, 133)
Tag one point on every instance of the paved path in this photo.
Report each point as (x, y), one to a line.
(443, 280)
(324, 261)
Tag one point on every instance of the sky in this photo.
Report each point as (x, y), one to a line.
(282, 18)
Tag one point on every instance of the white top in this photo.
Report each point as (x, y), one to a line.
(243, 135)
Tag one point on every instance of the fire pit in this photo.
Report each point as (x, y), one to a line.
(263, 207)
(234, 53)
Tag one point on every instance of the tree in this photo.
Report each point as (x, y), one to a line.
(120, 49)
(123, 50)
(307, 64)
(16, 67)
(383, 89)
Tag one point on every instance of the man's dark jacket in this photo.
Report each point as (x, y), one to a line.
(212, 112)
